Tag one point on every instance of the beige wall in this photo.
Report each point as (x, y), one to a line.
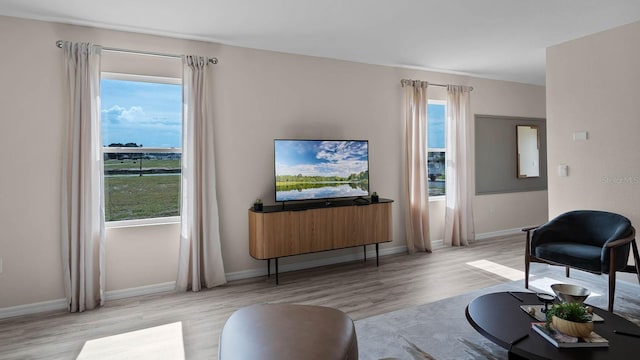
(592, 85)
(260, 96)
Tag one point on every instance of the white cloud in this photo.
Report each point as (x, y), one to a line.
(134, 124)
(341, 150)
(343, 168)
(134, 113)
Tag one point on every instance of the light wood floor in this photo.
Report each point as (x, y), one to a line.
(360, 289)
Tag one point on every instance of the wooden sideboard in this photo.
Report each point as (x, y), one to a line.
(280, 231)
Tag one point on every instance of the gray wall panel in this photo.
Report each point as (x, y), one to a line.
(496, 155)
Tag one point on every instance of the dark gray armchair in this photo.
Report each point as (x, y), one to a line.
(595, 241)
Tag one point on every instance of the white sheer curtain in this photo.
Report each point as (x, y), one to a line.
(458, 220)
(415, 170)
(200, 263)
(82, 192)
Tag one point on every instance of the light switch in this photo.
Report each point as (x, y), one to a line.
(563, 170)
(580, 135)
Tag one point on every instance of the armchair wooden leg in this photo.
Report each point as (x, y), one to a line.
(636, 258)
(527, 263)
(612, 277)
(612, 289)
(527, 258)
(567, 270)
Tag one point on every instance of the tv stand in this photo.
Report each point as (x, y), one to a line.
(276, 232)
(361, 201)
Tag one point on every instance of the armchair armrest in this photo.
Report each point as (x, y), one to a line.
(527, 245)
(623, 241)
(527, 229)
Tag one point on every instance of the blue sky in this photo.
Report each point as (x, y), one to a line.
(321, 158)
(151, 114)
(141, 112)
(435, 117)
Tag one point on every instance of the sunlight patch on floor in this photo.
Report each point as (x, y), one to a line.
(544, 285)
(500, 270)
(160, 342)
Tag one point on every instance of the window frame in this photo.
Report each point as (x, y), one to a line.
(430, 149)
(139, 150)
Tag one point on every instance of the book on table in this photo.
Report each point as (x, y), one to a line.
(561, 340)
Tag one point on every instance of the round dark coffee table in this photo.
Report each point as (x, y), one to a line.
(498, 317)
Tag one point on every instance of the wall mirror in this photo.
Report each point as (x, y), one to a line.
(528, 139)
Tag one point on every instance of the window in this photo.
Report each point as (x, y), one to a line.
(142, 138)
(436, 115)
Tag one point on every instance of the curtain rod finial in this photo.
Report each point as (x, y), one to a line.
(59, 43)
(213, 60)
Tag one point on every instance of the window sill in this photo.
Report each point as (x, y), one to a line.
(437, 198)
(142, 222)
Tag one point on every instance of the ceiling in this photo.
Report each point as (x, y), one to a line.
(496, 39)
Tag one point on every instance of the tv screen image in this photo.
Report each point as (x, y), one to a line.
(321, 169)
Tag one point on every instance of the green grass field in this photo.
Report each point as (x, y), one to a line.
(141, 197)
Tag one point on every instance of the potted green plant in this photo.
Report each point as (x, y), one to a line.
(257, 205)
(374, 197)
(571, 319)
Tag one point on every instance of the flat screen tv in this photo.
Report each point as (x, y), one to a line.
(321, 169)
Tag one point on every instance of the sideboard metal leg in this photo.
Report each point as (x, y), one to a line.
(277, 271)
(512, 356)
(365, 252)
(377, 256)
(268, 268)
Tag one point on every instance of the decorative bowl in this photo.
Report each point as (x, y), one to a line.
(572, 328)
(568, 293)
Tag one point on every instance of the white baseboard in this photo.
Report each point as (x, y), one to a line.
(493, 234)
(484, 236)
(61, 304)
(18, 310)
(371, 254)
(141, 290)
